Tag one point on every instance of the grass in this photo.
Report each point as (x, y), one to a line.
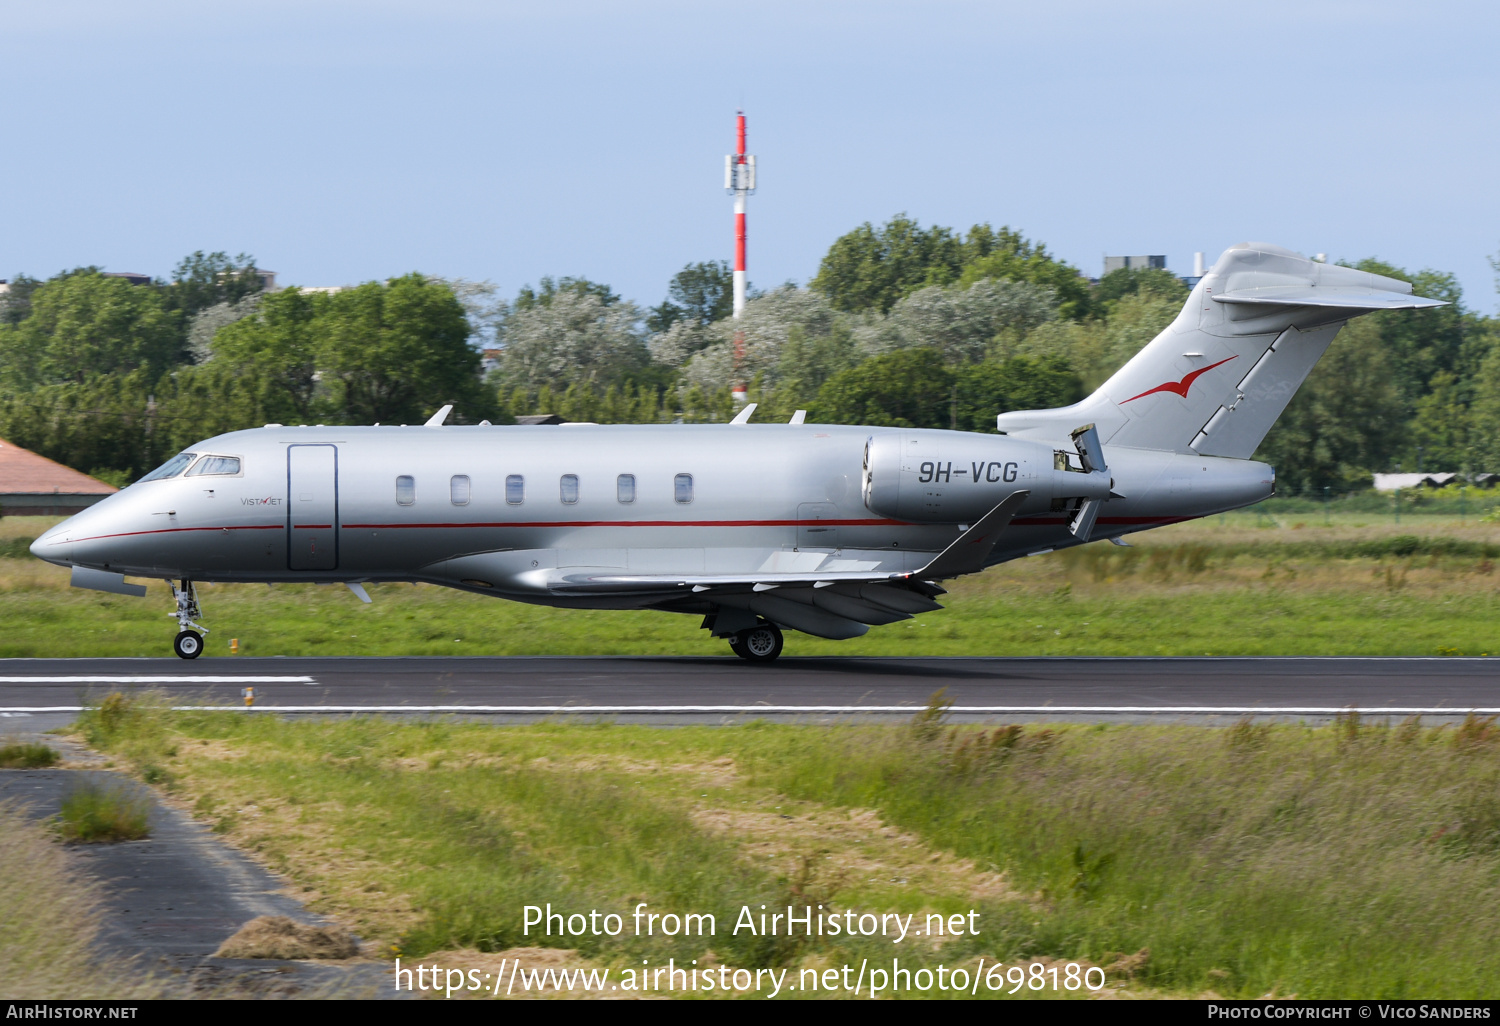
(27, 755)
(101, 813)
(1353, 860)
(49, 918)
(1244, 584)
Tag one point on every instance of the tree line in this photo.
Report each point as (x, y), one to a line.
(903, 325)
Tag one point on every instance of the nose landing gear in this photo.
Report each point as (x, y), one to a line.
(189, 643)
(760, 644)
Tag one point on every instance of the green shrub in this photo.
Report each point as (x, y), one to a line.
(26, 755)
(97, 813)
(15, 548)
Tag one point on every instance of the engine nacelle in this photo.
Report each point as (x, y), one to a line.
(948, 477)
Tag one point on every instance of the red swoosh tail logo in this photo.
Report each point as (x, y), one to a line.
(1179, 387)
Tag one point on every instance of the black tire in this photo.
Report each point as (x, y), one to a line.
(188, 644)
(737, 648)
(761, 644)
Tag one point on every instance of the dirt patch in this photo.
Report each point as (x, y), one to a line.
(856, 847)
(285, 938)
(443, 760)
(215, 750)
(719, 772)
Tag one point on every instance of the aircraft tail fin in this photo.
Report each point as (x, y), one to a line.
(1215, 380)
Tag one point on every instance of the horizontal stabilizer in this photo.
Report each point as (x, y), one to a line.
(1326, 296)
(103, 580)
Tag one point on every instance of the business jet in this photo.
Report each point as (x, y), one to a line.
(827, 529)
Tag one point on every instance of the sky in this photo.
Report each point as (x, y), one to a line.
(342, 142)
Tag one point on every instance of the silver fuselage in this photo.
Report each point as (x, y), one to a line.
(324, 504)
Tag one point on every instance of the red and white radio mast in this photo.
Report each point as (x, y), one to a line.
(739, 181)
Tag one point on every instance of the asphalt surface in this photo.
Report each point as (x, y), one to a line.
(682, 689)
(169, 901)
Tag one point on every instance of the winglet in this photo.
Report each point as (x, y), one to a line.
(970, 550)
(436, 420)
(743, 417)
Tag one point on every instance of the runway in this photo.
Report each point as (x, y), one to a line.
(692, 689)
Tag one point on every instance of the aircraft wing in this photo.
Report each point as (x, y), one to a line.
(828, 604)
(835, 605)
(967, 554)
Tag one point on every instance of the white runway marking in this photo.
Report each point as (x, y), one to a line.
(156, 678)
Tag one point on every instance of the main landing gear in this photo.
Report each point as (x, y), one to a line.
(189, 643)
(759, 644)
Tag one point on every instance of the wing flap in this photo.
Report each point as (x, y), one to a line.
(616, 583)
(808, 619)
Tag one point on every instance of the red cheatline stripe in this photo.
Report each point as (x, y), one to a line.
(1027, 521)
(172, 530)
(649, 523)
(539, 523)
(312, 527)
(1063, 521)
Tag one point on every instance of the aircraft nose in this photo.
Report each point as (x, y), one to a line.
(54, 546)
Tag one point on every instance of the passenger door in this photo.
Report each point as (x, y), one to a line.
(312, 502)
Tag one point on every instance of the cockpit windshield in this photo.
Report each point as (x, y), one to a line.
(171, 468)
(215, 466)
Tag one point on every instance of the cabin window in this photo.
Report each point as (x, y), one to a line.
(215, 466)
(625, 487)
(406, 490)
(568, 486)
(171, 468)
(682, 488)
(515, 489)
(458, 489)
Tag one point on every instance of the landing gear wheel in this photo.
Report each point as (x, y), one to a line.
(188, 644)
(760, 644)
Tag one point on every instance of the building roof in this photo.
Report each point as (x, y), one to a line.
(1390, 482)
(23, 472)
